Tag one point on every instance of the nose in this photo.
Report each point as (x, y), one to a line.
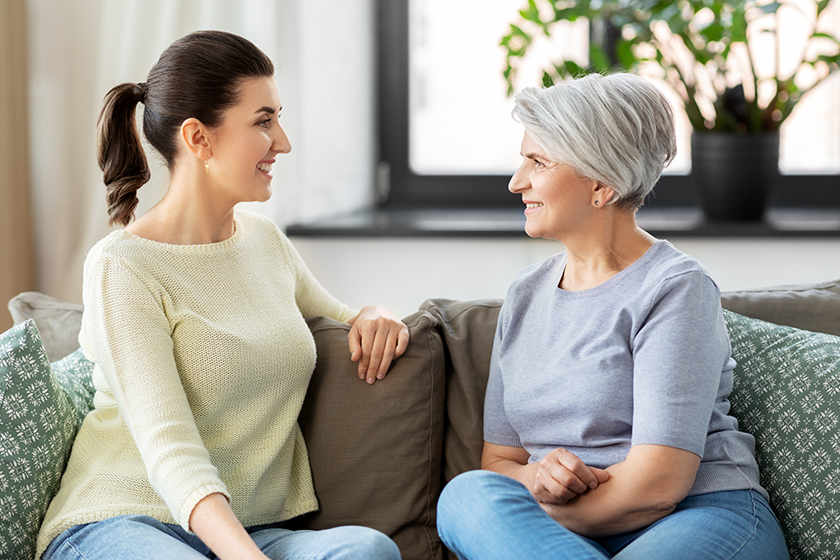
(518, 182)
(281, 142)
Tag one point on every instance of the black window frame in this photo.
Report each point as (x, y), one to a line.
(399, 187)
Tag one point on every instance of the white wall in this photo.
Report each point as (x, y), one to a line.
(79, 49)
(401, 273)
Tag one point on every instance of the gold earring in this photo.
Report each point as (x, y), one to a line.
(207, 166)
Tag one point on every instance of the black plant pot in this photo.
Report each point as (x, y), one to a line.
(734, 173)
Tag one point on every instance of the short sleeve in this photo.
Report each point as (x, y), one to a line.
(497, 427)
(679, 354)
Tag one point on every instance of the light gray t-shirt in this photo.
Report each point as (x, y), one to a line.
(644, 358)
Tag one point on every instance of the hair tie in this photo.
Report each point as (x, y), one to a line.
(140, 91)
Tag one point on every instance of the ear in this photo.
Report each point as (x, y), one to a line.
(602, 195)
(196, 138)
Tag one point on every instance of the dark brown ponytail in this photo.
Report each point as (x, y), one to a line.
(120, 153)
(198, 76)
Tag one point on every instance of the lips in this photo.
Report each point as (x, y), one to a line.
(265, 167)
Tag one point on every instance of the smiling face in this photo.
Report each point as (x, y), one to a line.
(557, 200)
(246, 143)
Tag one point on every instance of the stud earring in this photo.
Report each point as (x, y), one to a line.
(207, 166)
(597, 202)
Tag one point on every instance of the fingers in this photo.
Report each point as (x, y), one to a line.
(601, 474)
(374, 341)
(562, 476)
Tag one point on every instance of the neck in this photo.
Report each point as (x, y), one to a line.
(187, 214)
(613, 243)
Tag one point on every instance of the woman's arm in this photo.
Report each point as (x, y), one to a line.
(643, 488)
(377, 336)
(214, 522)
(634, 493)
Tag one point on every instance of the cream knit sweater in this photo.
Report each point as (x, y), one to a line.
(203, 359)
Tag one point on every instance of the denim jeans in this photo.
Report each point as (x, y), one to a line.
(129, 537)
(484, 515)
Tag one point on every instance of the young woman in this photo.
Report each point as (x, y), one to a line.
(606, 424)
(194, 316)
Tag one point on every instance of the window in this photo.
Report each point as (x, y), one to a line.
(447, 138)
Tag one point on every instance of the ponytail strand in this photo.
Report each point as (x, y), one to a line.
(120, 153)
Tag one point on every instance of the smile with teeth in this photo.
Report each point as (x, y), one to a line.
(534, 205)
(264, 167)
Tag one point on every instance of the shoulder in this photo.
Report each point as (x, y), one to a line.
(117, 246)
(533, 283)
(546, 271)
(259, 227)
(678, 286)
(668, 266)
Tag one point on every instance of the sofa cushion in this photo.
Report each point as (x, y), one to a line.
(813, 307)
(375, 450)
(468, 329)
(37, 424)
(787, 394)
(75, 375)
(58, 322)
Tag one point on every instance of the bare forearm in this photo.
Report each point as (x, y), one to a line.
(214, 522)
(644, 488)
(610, 509)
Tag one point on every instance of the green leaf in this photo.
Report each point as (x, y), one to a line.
(626, 55)
(547, 80)
(531, 13)
(599, 59)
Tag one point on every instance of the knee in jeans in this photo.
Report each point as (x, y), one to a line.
(369, 544)
(468, 486)
(464, 495)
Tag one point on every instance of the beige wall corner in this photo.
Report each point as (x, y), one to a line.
(16, 246)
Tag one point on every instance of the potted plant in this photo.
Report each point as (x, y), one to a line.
(709, 52)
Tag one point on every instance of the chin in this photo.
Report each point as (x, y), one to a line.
(264, 196)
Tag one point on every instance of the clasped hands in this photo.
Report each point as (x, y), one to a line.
(376, 337)
(561, 476)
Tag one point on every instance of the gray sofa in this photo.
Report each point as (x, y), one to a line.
(381, 454)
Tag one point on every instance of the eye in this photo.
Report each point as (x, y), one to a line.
(264, 123)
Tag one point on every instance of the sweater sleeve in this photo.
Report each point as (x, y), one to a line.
(312, 298)
(678, 358)
(126, 331)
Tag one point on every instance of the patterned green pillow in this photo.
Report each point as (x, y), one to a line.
(37, 424)
(787, 394)
(75, 375)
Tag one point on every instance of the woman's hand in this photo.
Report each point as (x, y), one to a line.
(555, 480)
(376, 338)
(561, 476)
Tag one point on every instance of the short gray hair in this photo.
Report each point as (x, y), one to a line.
(616, 129)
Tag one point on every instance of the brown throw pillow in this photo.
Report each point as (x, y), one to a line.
(467, 328)
(375, 450)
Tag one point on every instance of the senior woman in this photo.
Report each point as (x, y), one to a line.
(606, 424)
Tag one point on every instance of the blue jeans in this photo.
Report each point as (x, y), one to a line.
(141, 537)
(483, 515)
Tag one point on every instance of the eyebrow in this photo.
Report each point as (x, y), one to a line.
(269, 110)
(533, 155)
